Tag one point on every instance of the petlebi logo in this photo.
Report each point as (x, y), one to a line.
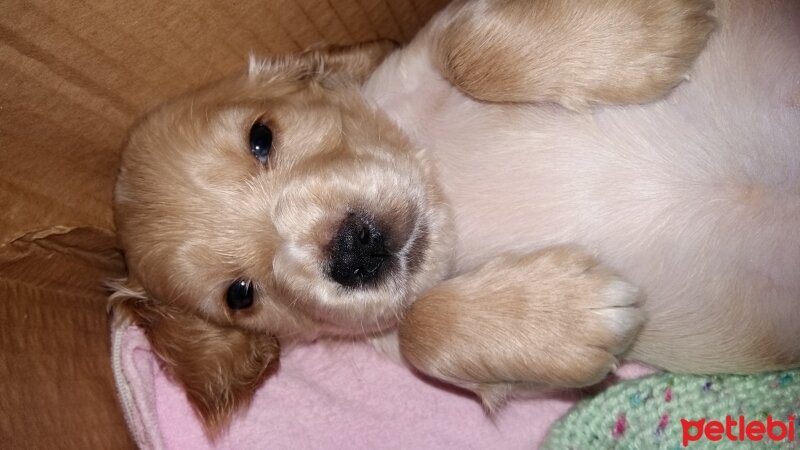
(739, 429)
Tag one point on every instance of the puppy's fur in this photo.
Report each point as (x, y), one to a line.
(457, 146)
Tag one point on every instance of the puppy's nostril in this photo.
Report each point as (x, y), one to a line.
(358, 252)
(364, 235)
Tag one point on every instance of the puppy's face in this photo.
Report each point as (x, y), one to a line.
(280, 203)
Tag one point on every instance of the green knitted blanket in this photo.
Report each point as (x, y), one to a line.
(673, 412)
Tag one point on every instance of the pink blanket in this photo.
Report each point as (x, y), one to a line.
(348, 396)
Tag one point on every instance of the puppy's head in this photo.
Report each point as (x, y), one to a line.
(275, 204)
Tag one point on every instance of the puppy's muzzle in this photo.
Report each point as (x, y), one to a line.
(359, 252)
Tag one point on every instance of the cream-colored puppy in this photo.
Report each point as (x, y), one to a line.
(455, 186)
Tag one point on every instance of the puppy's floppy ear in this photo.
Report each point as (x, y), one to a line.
(357, 61)
(347, 62)
(219, 366)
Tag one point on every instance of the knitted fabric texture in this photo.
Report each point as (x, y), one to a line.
(646, 414)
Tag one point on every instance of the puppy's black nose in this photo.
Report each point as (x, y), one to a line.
(358, 254)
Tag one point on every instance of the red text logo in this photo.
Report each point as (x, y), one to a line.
(738, 430)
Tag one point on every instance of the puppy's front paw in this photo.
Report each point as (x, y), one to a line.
(576, 54)
(556, 317)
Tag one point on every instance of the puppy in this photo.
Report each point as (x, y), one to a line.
(453, 187)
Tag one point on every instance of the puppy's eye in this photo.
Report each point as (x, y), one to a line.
(260, 141)
(240, 294)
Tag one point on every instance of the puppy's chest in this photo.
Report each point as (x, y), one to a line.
(624, 181)
(510, 195)
(521, 178)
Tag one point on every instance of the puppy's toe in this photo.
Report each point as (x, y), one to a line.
(620, 315)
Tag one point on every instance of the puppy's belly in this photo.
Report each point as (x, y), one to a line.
(695, 198)
(689, 198)
(716, 252)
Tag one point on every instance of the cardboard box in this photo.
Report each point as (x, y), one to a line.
(74, 76)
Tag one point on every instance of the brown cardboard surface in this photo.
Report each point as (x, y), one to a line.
(74, 76)
(56, 389)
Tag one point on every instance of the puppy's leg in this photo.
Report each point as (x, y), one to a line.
(572, 52)
(550, 318)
